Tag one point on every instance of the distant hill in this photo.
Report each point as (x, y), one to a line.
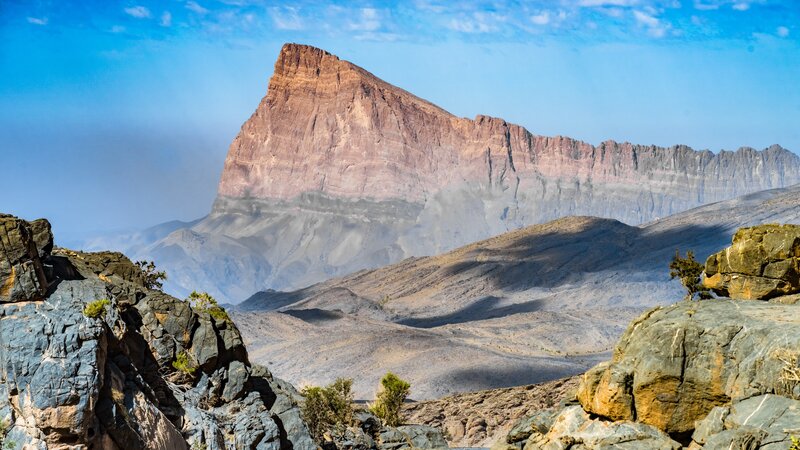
(525, 306)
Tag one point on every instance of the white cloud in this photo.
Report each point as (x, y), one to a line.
(38, 21)
(590, 3)
(646, 19)
(369, 20)
(741, 6)
(542, 18)
(117, 29)
(701, 5)
(166, 19)
(655, 27)
(140, 12)
(783, 31)
(194, 6)
(287, 18)
(478, 22)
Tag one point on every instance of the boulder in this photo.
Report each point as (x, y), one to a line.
(574, 428)
(763, 262)
(21, 273)
(766, 422)
(675, 364)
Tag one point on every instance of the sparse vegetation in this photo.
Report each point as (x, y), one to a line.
(795, 443)
(5, 444)
(199, 446)
(688, 271)
(391, 395)
(96, 309)
(329, 408)
(184, 364)
(153, 278)
(202, 302)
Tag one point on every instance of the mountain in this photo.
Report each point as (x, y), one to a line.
(338, 171)
(526, 306)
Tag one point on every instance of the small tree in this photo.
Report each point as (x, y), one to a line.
(391, 395)
(205, 303)
(328, 408)
(153, 279)
(184, 364)
(689, 271)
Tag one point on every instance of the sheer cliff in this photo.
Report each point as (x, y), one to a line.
(337, 171)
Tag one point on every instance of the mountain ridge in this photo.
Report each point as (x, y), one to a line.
(338, 171)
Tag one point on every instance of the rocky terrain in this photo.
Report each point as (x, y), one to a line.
(713, 374)
(531, 305)
(479, 419)
(338, 171)
(110, 379)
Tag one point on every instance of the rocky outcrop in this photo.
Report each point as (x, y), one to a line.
(762, 263)
(675, 364)
(113, 380)
(338, 171)
(713, 374)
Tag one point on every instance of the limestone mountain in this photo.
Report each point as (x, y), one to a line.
(337, 171)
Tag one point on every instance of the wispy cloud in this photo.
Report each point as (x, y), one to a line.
(655, 26)
(196, 7)
(38, 20)
(477, 22)
(116, 29)
(139, 12)
(166, 19)
(369, 20)
(287, 18)
(591, 3)
(782, 32)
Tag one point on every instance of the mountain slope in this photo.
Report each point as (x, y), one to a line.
(526, 306)
(337, 171)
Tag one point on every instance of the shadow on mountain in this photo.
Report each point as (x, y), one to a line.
(271, 300)
(314, 316)
(553, 259)
(537, 370)
(485, 308)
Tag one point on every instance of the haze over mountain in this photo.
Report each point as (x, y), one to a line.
(338, 171)
(529, 305)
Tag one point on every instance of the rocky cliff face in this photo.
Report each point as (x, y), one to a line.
(112, 379)
(338, 171)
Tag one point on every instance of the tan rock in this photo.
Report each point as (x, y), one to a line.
(763, 262)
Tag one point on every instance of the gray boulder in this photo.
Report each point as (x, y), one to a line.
(766, 422)
(21, 273)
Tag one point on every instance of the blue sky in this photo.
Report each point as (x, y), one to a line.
(118, 114)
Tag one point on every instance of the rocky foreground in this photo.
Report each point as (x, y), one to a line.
(714, 374)
(94, 356)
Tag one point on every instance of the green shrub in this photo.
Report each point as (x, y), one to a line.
(204, 303)
(96, 309)
(184, 364)
(795, 443)
(329, 408)
(153, 279)
(391, 395)
(689, 271)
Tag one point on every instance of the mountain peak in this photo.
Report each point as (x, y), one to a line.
(300, 58)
